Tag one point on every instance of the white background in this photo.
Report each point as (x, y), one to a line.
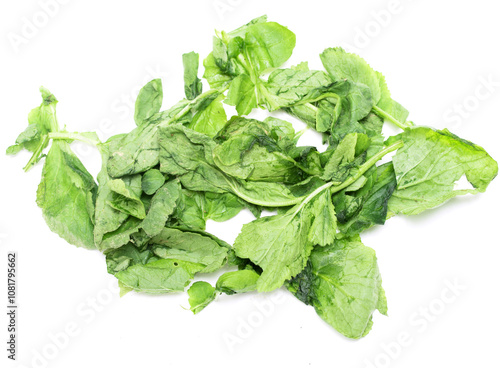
(94, 55)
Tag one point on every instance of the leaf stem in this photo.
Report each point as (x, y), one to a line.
(385, 115)
(75, 137)
(364, 168)
(36, 155)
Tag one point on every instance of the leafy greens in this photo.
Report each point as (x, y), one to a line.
(179, 167)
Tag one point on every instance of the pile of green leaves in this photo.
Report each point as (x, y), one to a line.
(180, 167)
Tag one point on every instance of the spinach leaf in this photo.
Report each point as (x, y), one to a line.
(66, 195)
(192, 84)
(369, 204)
(195, 167)
(324, 226)
(162, 206)
(287, 87)
(430, 163)
(152, 180)
(268, 45)
(278, 244)
(242, 95)
(253, 150)
(148, 101)
(200, 294)
(240, 281)
(157, 277)
(210, 120)
(126, 196)
(122, 258)
(195, 208)
(343, 283)
(190, 247)
(138, 151)
(343, 65)
(346, 157)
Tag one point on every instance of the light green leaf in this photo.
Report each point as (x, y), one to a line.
(148, 101)
(200, 294)
(138, 150)
(197, 171)
(268, 45)
(152, 180)
(192, 84)
(128, 255)
(157, 277)
(343, 160)
(278, 244)
(342, 65)
(343, 283)
(191, 247)
(324, 226)
(429, 165)
(242, 94)
(386, 103)
(126, 196)
(66, 195)
(162, 206)
(211, 119)
(241, 281)
(215, 77)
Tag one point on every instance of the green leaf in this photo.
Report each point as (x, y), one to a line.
(286, 87)
(157, 277)
(215, 77)
(201, 294)
(42, 120)
(192, 84)
(66, 195)
(211, 119)
(342, 161)
(252, 150)
(268, 45)
(241, 31)
(128, 255)
(342, 65)
(138, 150)
(324, 226)
(107, 219)
(241, 281)
(386, 103)
(152, 180)
(126, 196)
(162, 206)
(148, 101)
(430, 163)
(195, 167)
(343, 283)
(374, 198)
(194, 208)
(242, 94)
(278, 244)
(190, 247)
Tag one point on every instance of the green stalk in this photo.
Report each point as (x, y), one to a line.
(35, 157)
(386, 116)
(74, 137)
(364, 168)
